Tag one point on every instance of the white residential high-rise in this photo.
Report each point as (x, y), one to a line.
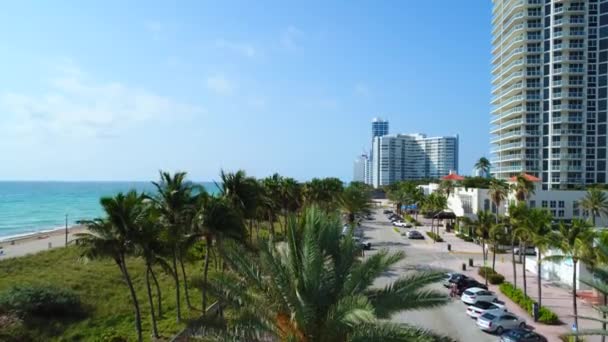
(412, 156)
(550, 68)
(361, 169)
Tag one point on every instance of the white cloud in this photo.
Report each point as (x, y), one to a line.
(289, 38)
(75, 105)
(220, 84)
(245, 49)
(362, 90)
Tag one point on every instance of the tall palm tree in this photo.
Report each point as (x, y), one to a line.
(355, 200)
(175, 201)
(497, 234)
(575, 242)
(242, 193)
(483, 165)
(596, 203)
(433, 204)
(539, 222)
(324, 193)
(216, 220)
(517, 218)
(523, 187)
(483, 226)
(291, 198)
(315, 288)
(498, 192)
(113, 237)
(447, 187)
(525, 236)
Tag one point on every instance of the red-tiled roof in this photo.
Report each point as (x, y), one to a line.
(526, 176)
(453, 177)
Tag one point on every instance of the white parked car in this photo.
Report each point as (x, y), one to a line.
(498, 321)
(399, 224)
(481, 307)
(474, 294)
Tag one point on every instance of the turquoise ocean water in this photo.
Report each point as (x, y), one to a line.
(29, 207)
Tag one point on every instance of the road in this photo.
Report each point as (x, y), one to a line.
(450, 320)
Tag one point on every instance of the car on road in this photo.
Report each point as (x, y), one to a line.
(521, 335)
(387, 212)
(395, 218)
(468, 283)
(474, 294)
(401, 224)
(364, 245)
(480, 307)
(498, 321)
(453, 278)
(415, 235)
(530, 250)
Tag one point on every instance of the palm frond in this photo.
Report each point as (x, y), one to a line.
(387, 332)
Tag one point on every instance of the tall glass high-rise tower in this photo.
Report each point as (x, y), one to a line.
(550, 61)
(379, 127)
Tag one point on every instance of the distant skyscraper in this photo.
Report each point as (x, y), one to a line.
(412, 156)
(361, 169)
(379, 127)
(549, 90)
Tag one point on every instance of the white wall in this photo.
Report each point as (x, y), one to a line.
(559, 271)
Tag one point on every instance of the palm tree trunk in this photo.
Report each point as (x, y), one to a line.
(539, 279)
(593, 219)
(158, 293)
(604, 316)
(125, 273)
(574, 307)
(185, 279)
(494, 258)
(151, 301)
(523, 263)
(484, 256)
(250, 233)
(178, 305)
(514, 265)
(205, 273)
(271, 220)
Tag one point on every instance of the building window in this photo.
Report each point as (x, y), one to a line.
(553, 204)
(560, 213)
(486, 204)
(466, 204)
(553, 213)
(532, 204)
(561, 204)
(544, 204)
(575, 209)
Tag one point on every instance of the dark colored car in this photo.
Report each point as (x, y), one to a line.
(415, 235)
(388, 211)
(522, 335)
(467, 283)
(362, 244)
(453, 278)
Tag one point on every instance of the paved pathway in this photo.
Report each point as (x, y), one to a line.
(451, 320)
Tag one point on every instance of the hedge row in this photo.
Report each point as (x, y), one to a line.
(494, 277)
(546, 316)
(412, 220)
(464, 237)
(434, 236)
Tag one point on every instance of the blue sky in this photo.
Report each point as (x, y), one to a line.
(116, 90)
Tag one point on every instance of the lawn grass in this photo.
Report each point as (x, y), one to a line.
(103, 293)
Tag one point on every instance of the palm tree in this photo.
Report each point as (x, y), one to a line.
(517, 216)
(446, 187)
(324, 193)
(575, 242)
(433, 204)
(355, 200)
(314, 288)
(113, 237)
(290, 198)
(525, 235)
(539, 221)
(498, 192)
(216, 220)
(483, 226)
(596, 203)
(483, 165)
(497, 234)
(523, 187)
(175, 201)
(242, 193)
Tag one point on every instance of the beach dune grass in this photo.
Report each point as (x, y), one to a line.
(105, 297)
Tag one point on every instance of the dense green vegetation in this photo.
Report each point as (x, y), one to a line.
(546, 316)
(108, 312)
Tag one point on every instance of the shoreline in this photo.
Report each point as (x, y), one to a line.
(29, 243)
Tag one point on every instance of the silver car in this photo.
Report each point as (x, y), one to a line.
(498, 321)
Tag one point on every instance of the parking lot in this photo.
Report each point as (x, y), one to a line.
(450, 320)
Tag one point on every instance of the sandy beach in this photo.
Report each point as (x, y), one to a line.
(36, 242)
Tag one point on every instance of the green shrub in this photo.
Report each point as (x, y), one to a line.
(546, 316)
(483, 270)
(464, 237)
(434, 236)
(496, 279)
(40, 301)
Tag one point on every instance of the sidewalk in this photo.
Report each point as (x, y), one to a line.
(555, 296)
